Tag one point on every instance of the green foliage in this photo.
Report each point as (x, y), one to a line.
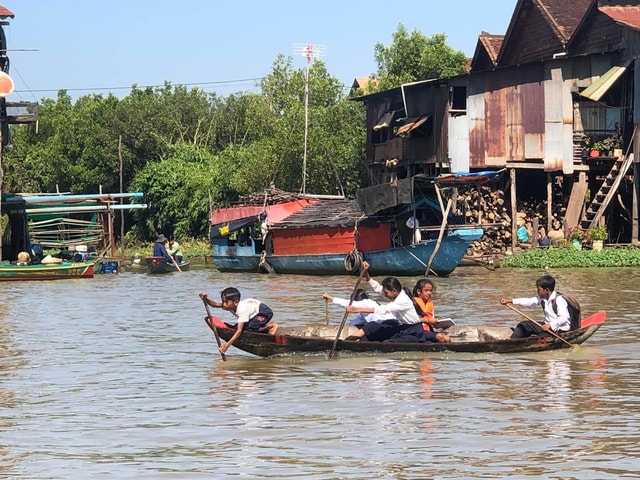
(598, 233)
(572, 258)
(414, 56)
(187, 150)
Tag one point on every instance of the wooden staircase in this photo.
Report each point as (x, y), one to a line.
(608, 189)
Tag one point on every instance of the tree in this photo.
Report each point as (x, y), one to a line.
(413, 56)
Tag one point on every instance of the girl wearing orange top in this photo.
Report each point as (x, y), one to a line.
(422, 292)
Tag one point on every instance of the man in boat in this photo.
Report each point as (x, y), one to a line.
(252, 314)
(555, 307)
(175, 250)
(160, 250)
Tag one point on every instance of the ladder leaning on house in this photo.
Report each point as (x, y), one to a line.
(607, 190)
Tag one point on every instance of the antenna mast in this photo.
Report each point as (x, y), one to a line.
(310, 51)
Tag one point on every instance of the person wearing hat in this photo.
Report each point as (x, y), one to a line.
(160, 250)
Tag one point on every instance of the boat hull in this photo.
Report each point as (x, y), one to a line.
(399, 261)
(58, 271)
(319, 340)
(235, 258)
(157, 265)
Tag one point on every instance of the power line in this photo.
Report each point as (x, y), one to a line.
(222, 82)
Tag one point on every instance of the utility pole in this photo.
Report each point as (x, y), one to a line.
(310, 51)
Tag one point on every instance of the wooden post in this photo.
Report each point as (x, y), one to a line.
(634, 206)
(121, 198)
(549, 201)
(514, 208)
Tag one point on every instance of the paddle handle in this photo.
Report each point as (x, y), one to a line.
(212, 326)
(346, 314)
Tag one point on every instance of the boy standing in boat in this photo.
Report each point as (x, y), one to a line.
(252, 314)
(556, 310)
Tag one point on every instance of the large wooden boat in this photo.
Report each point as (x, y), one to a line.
(316, 340)
(56, 271)
(400, 229)
(159, 265)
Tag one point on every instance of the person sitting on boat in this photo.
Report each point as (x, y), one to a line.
(160, 250)
(423, 296)
(174, 249)
(23, 259)
(555, 319)
(37, 252)
(360, 299)
(406, 325)
(252, 314)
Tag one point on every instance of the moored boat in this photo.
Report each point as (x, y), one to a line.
(315, 340)
(158, 265)
(56, 271)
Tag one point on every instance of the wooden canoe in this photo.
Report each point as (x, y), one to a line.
(160, 265)
(319, 340)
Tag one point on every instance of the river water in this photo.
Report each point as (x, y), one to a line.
(119, 377)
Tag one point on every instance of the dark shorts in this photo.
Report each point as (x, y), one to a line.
(264, 316)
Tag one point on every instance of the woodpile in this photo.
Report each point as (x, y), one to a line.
(490, 209)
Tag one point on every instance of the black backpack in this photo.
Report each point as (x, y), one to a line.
(573, 306)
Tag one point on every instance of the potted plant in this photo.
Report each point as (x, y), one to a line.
(598, 235)
(577, 236)
(596, 148)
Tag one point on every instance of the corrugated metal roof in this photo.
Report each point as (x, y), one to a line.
(628, 15)
(326, 213)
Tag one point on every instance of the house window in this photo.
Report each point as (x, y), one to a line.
(458, 100)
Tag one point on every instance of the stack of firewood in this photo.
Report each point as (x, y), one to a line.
(488, 208)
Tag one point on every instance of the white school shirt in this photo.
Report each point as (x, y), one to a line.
(402, 308)
(247, 309)
(560, 321)
(365, 303)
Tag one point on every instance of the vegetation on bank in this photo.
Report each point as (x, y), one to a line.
(569, 257)
(188, 150)
(191, 248)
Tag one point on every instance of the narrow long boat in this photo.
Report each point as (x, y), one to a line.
(315, 340)
(56, 271)
(160, 265)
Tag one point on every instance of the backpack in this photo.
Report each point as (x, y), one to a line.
(573, 306)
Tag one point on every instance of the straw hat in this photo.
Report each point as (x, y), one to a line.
(49, 259)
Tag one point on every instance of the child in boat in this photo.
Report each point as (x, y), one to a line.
(422, 295)
(557, 319)
(360, 299)
(174, 249)
(406, 325)
(252, 314)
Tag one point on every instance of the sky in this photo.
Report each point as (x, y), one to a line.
(104, 47)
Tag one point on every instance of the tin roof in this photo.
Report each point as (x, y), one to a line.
(628, 15)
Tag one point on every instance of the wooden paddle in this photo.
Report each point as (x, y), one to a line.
(178, 266)
(538, 323)
(346, 314)
(212, 326)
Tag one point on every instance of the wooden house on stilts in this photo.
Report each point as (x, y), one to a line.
(562, 80)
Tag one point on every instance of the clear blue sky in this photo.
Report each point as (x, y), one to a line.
(88, 46)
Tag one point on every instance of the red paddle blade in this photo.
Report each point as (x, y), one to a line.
(595, 319)
(217, 321)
